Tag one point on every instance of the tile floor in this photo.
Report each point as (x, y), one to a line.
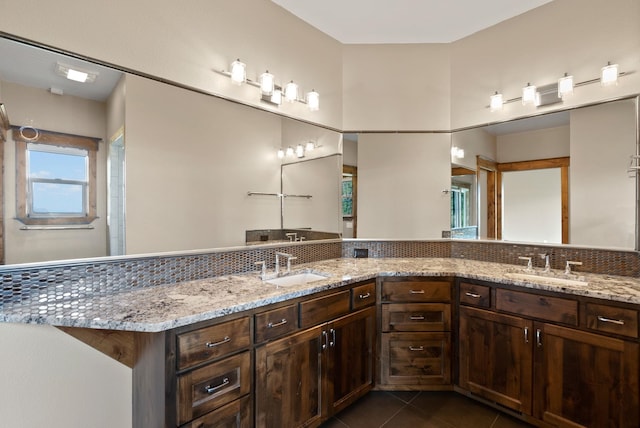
(420, 410)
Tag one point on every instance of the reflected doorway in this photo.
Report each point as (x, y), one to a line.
(349, 201)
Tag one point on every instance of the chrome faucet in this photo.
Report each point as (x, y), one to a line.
(567, 269)
(529, 267)
(547, 261)
(293, 237)
(263, 270)
(289, 257)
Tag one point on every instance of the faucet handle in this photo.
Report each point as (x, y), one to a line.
(529, 264)
(567, 270)
(263, 270)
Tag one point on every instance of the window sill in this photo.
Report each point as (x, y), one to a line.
(57, 221)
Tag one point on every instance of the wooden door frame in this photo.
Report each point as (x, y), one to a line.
(490, 167)
(353, 170)
(562, 163)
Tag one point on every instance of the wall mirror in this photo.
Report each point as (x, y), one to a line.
(557, 178)
(175, 168)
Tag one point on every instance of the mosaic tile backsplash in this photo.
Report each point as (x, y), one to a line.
(72, 280)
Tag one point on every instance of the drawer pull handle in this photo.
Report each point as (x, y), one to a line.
(474, 295)
(211, 389)
(539, 337)
(611, 320)
(416, 317)
(526, 335)
(278, 324)
(416, 348)
(416, 291)
(332, 343)
(365, 296)
(325, 340)
(214, 344)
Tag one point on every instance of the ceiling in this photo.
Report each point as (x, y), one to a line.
(36, 67)
(404, 21)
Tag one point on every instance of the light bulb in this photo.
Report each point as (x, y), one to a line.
(267, 83)
(529, 94)
(496, 102)
(565, 86)
(280, 153)
(313, 100)
(289, 151)
(238, 72)
(291, 92)
(609, 75)
(310, 146)
(299, 151)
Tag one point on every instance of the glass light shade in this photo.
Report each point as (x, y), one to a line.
(565, 86)
(77, 76)
(276, 96)
(238, 72)
(267, 83)
(289, 151)
(300, 151)
(609, 75)
(529, 94)
(313, 100)
(310, 146)
(280, 153)
(291, 92)
(496, 102)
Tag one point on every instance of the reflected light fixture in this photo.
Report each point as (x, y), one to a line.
(496, 102)
(76, 74)
(529, 95)
(313, 100)
(310, 146)
(609, 75)
(280, 153)
(267, 83)
(238, 72)
(289, 151)
(276, 97)
(457, 152)
(300, 151)
(565, 86)
(291, 92)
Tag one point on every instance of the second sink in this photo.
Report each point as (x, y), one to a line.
(546, 279)
(296, 279)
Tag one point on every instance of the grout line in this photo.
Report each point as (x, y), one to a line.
(394, 415)
(495, 421)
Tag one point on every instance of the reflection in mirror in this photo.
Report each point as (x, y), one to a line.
(350, 186)
(191, 160)
(464, 214)
(569, 166)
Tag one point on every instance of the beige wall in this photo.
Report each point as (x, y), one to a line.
(532, 145)
(400, 183)
(57, 113)
(185, 44)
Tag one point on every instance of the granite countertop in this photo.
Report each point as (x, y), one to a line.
(161, 308)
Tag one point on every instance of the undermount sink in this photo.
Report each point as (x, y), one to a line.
(296, 279)
(546, 279)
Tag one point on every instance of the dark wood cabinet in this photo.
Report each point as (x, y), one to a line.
(496, 357)
(304, 378)
(585, 379)
(546, 359)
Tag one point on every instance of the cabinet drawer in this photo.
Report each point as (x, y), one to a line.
(275, 323)
(475, 295)
(322, 309)
(416, 317)
(536, 306)
(610, 319)
(416, 358)
(236, 414)
(207, 343)
(207, 388)
(416, 291)
(363, 295)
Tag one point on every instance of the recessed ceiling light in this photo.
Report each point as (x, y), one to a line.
(76, 74)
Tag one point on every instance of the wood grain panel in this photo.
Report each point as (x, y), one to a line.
(325, 308)
(276, 323)
(475, 295)
(416, 317)
(363, 295)
(416, 291)
(538, 306)
(236, 414)
(118, 345)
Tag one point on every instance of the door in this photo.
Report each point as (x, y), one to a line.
(350, 362)
(585, 379)
(496, 357)
(288, 380)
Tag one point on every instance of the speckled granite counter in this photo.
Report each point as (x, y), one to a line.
(165, 307)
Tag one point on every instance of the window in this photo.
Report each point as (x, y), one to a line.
(56, 176)
(460, 204)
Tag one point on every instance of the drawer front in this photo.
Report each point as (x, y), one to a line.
(416, 358)
(475, 295)
(322, 309)
(207, 388)
(416, 291)
(416, 317)
(610, 319)
(208, 343)
(363, 295)
(275, 323)
(236, 414)
(536, 306)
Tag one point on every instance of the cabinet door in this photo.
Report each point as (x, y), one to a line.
(496, 357)
(288, 380)
(350, 360)
(585, 379)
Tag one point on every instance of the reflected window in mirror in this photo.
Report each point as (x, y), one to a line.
(463, 194)
(56, 177)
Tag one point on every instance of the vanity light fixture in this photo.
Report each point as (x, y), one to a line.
(565, 86)
(300, 151)
(496, 102)
(289, 151)
(457, 152)
(238, 72)
(310, 146)
(291, 92)
(280, 153)
(270, 91)
(267, 83)
(609, 74)
(76, 74)
(529, 94)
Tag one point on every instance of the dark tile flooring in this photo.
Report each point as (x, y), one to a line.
(420, 410)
